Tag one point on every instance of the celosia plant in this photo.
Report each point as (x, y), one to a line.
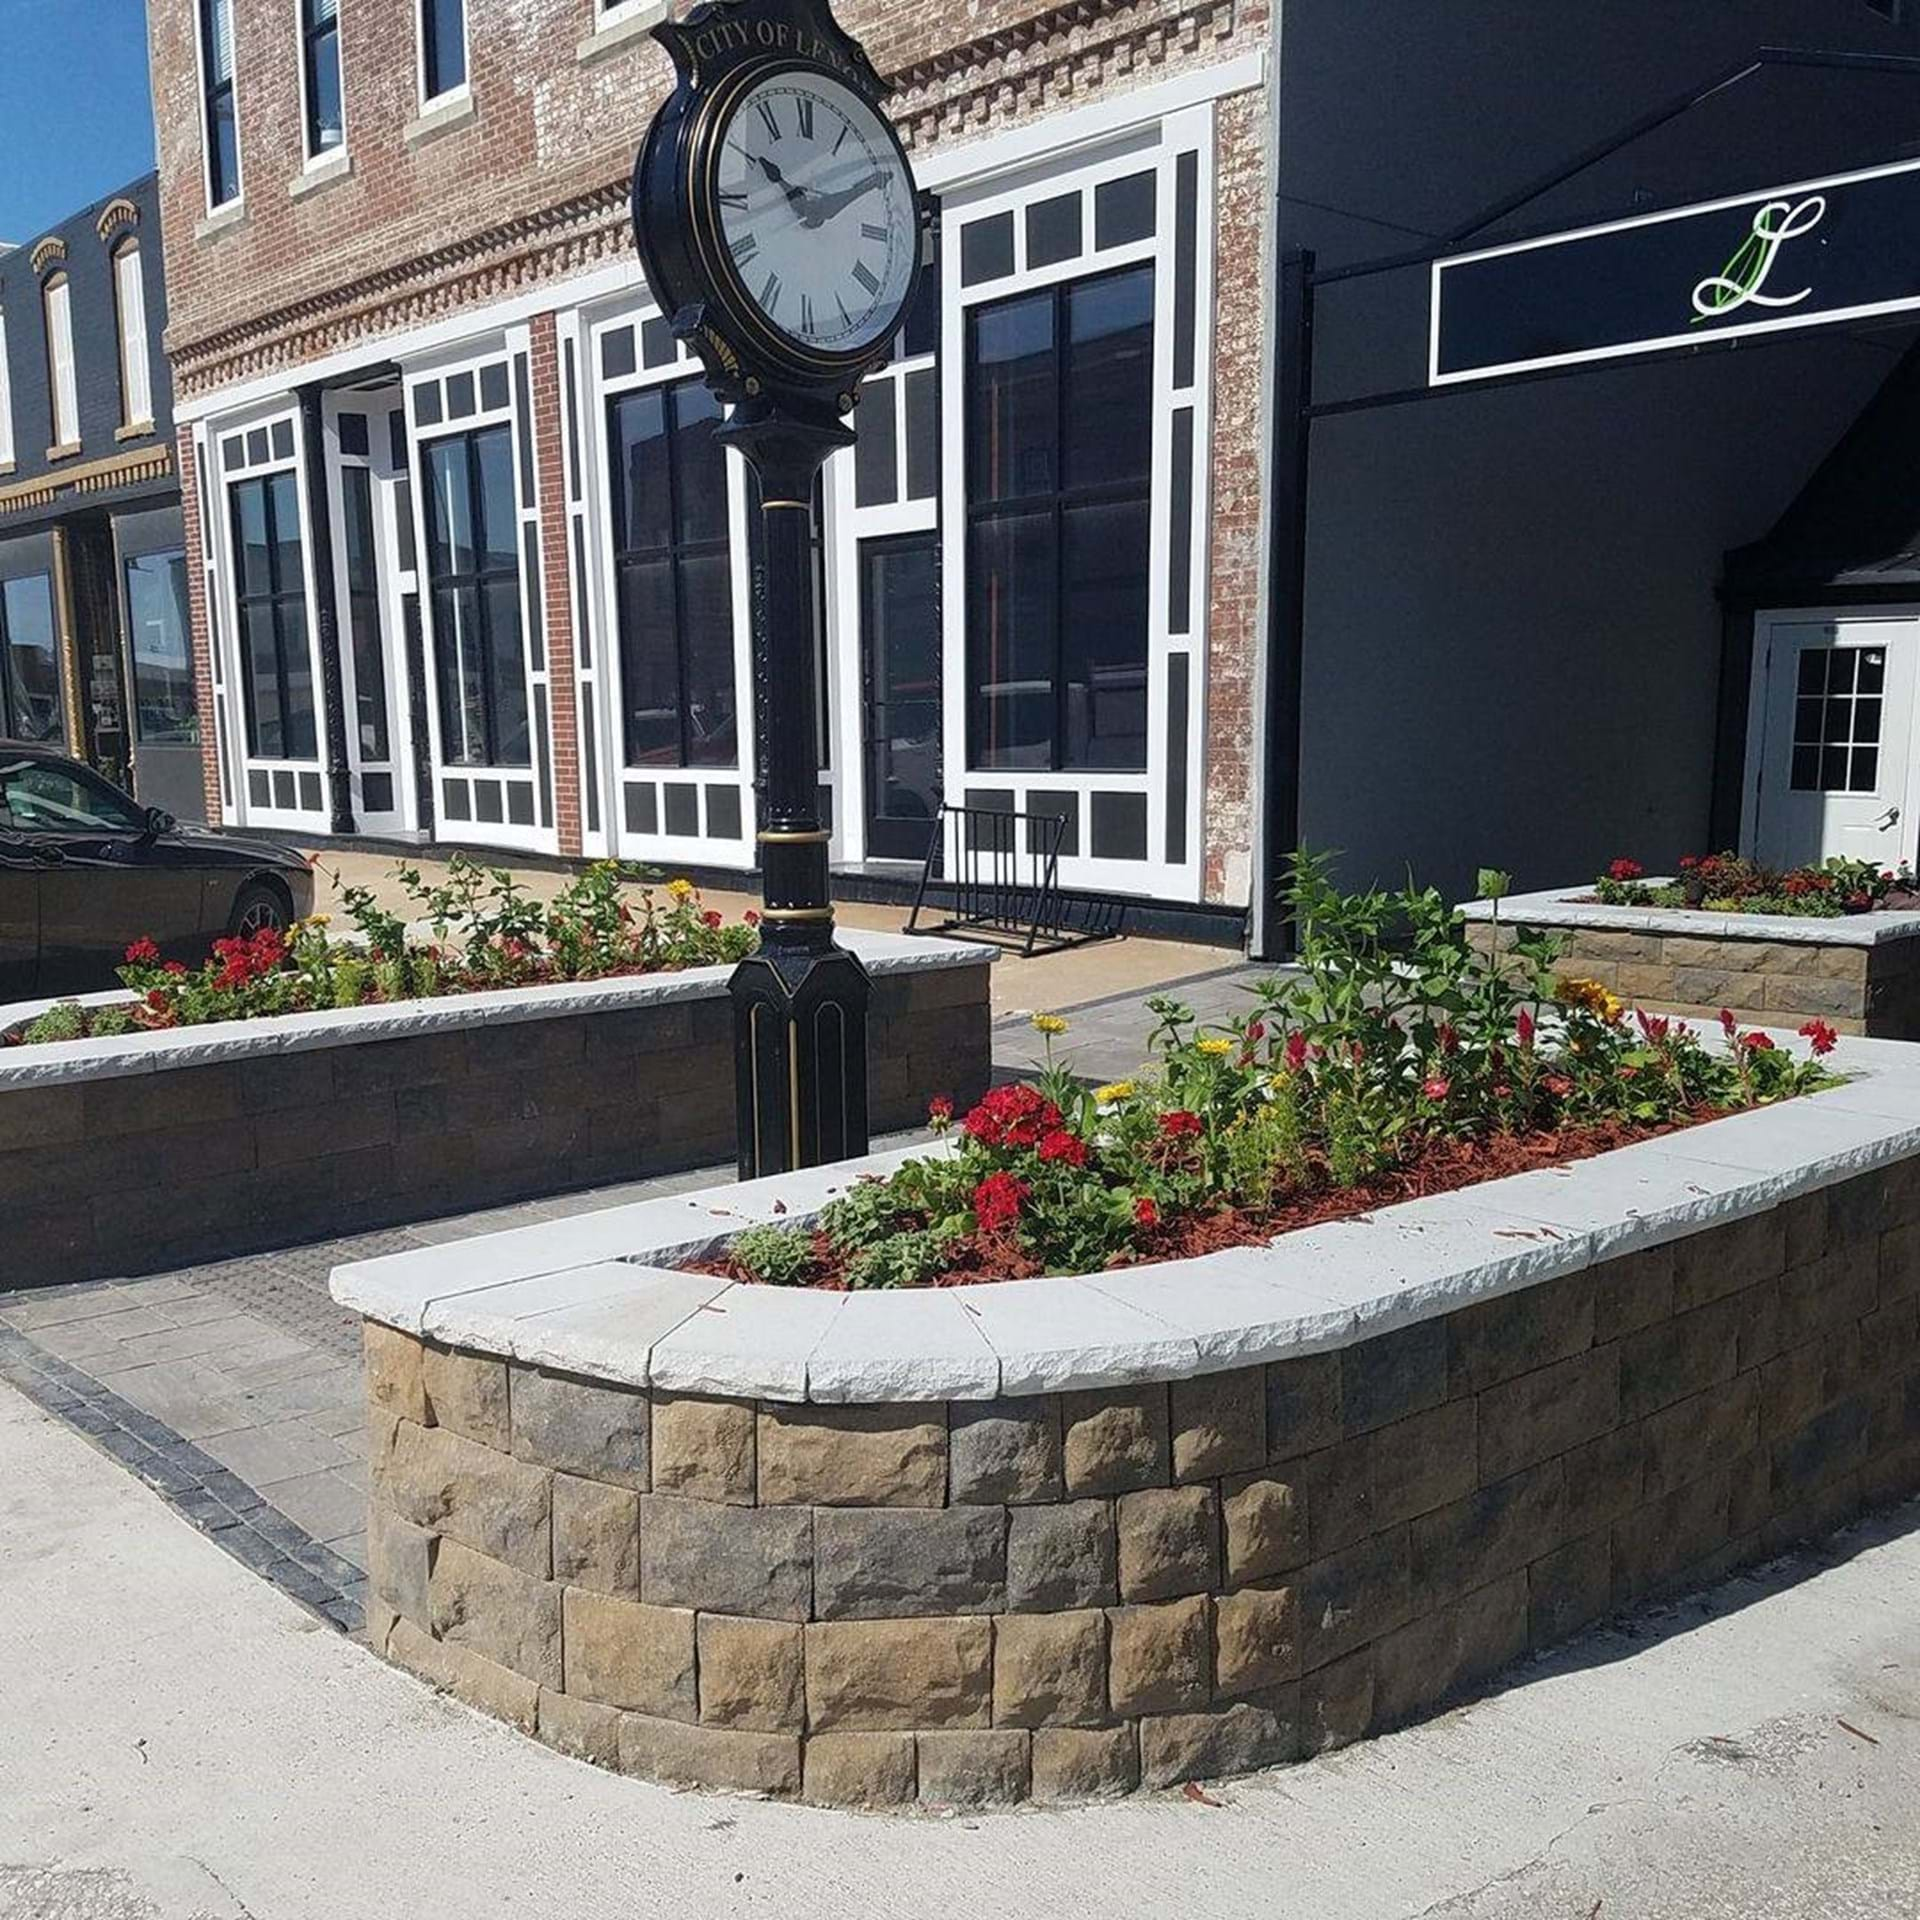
(1727, 883)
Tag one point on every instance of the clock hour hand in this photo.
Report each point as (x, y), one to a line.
(796, 196)
(826, 205)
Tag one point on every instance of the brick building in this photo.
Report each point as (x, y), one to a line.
(93, 574)
(421, 386)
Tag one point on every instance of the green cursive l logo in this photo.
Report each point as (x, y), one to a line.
(1739, 282)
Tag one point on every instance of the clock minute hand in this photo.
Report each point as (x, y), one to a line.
(826, 205)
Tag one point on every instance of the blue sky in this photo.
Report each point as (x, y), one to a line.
(76, 119)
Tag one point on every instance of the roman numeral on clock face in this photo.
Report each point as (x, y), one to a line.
(865, 277)
(806, 313)
(806, 117)
(734, 198)
(869, 229)
(767, 114)
(745, 247)
(770, 293)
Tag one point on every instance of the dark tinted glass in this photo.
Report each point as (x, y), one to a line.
(1013, 401)
(644, 503)
(876, 458)
(30, 682)
(1011, 618)
(700, 464)
(1109, 424)
(1053, 230)
(363, 612)
(1103, 633)
(325, 127)
(444, 25)
(500, 537)
(163, 704)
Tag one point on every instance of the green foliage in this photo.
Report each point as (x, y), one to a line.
(1730, 883)
(773, 1255)
(66, 1021)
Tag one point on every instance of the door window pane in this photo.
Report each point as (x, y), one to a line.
(1013, 400)
(1109, 422)
(900, 618)
(164, 713)
(270, 588)
(1103, 618)
(363, 613)
(30, 684)
(1012, 628)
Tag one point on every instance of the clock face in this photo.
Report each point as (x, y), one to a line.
(816, 210)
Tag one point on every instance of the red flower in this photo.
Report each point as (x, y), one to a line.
(1258, 1030)
(1179, 1124)
(1558, 1085)
(1756, 1043)
(996, 1201)
(1013, 1116)
(176, 969)
(1296, 1052)
(940, 1110)
(712, 919)
(1501, 1090)
(1688, 861)
(1859, 901)
(1626, 870)
(1449, 1040)
(1435, 1087)
(1728, 1024)
(143, 953)
(156, 1000)
(751, 917)
(1523, 1027)
(1655, 1026)
(1820, 1036)
(1062, 1145)
(1145, 1213)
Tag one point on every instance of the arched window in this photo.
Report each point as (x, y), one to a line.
(60, 381)
(130, 313)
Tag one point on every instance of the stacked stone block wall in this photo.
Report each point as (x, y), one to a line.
(137, 1173)
(1860, 990)
(1073, 1595)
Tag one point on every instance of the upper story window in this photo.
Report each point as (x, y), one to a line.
(130, 314)
(443, 47)
(326, 127)
(6, 401)
(60, 381)
(216, 79)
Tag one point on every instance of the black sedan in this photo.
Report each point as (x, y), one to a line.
(85, 871)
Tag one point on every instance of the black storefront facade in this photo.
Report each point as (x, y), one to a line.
(1576, 585)
(95, 647)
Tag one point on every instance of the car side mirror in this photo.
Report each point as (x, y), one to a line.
(159, 821)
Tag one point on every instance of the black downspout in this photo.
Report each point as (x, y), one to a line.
(1286, 589)
(326, 609)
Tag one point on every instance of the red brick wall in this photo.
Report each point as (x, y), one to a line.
(556, 579)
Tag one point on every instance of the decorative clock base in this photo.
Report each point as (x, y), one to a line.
(800, 1058)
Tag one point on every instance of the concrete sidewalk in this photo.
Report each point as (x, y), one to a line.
(184, 1743)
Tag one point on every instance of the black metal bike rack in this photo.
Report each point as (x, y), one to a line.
(991, 895)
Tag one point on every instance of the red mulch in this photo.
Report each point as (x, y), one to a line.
(1444, 1166)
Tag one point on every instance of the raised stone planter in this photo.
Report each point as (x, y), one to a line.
(127, 1155)
(1860, 972)
(1059, 1538)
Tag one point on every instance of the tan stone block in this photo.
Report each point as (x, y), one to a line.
(468, 1393)
(882, 1456)
(1336, 1703)
(1159, 1658)
(1263, 1520)
(399, 1561)
(497, 1611)
(716, 1758)
(590, 1427)
(393, 1372)
(453, 1486)
(1602, 943)
(860, 1769)
(1223, 1740)
(468, 1675)
(623, 1654)
(704, 1448)
(1256, 1638)
(1115, 1439)
(1843, 963)
(383, 1432)
(974, 1769)
(377, 1624)
(596, 1536)
(1694, 950)
(1219, 1423)
(1169, 1542)
(1075, 1763)
(1806, 995)
(1006, 1450)
(882, 1675)
(1050, 1669)
(580, 1728)
(752, 1673)
(1643, 982)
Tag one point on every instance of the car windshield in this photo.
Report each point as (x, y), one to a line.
(39, 796)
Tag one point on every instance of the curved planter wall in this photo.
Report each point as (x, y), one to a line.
(133, 1154)
(1060, 1538)
(1860, 972)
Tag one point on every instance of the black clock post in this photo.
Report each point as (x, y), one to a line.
(776, 219)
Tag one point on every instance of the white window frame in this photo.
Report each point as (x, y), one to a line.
(449, 96)
(220, 486)
(130, 328)
(201, 52)
(63, 387)
(6, 401)
(1156, 145)
(328, 159)
(701, 848)
(469, 359)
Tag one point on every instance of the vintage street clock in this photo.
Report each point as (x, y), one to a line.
(780, 230)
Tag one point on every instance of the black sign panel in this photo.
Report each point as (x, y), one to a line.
(1803, 256)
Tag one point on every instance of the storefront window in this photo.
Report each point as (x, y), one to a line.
(670, 521)
(271, 591)
(1059, 460)
(30, 682)
(473, 570)
(164, 713)
(363, 614)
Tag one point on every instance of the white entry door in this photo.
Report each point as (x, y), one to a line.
(1836, 763)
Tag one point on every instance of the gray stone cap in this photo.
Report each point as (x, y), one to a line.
(1555, 908)
(600, 1295)
(119, 1054)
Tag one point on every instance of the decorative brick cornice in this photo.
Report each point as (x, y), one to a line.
(97, 476)
(998, 79)
(49, 250)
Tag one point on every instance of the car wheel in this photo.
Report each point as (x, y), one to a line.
(258, 907)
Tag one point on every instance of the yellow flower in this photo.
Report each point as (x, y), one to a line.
(1216, 1044)
(1590, 995)
(1113, 1093)
(1049, 1023)
(681, 889)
